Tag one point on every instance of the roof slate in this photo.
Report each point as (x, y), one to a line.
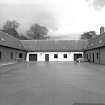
(96, 42)
(10, 41)
(54, 45)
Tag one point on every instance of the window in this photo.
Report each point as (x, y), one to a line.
(55, 55)
(90, 55)
(11, 55)
(93, 57)
(97, 55)
(21, 55)
(87, 56)
(0, 55)
(65, 55)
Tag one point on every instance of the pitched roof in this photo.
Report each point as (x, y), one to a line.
(54, 45)
(10, 41)
(96, 42)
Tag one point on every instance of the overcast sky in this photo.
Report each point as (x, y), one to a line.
(61, 17)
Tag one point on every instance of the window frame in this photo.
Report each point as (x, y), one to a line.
(65, 56)
(55, 56)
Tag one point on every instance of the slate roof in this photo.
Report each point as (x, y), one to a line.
(10, 41)
(54, 45)
(96, 42)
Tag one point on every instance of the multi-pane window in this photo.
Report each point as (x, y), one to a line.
(65, 55)
(55, 56)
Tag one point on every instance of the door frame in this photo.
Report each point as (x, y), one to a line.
(47, 57)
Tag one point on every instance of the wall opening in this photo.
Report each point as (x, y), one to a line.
(65, 56)
(97, 55)
(86, 56)
(20, 55)
(0, 55)
(32, 57)
(90, 55)
(11, 55)
(76, 56)
(93, 57)
(55, 56)
(46, 57)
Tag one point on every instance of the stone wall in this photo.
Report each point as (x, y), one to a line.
(10, 54)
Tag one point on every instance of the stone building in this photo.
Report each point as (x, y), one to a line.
(11, 48)
(95, 50)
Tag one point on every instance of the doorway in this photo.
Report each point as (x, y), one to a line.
(46, 57)
(93, 57)
(76, 56)
(32, 57)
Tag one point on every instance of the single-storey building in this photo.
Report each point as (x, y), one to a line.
(54, 50)
(11, 48)
(95, 50)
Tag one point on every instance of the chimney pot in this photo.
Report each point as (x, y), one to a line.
(102, 30)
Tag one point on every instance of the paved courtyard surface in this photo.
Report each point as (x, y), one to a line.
(52, 84)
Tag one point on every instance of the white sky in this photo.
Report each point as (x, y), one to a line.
(61, 17)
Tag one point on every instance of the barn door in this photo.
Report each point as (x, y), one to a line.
(32, 57)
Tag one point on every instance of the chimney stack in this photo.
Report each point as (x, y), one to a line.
(102, 30)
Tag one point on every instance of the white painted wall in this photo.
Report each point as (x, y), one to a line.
(41, 56)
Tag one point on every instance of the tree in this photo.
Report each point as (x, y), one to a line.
(88, 35)
(37, 32)
(10, 27)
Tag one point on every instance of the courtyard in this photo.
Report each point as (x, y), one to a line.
(52, 83)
